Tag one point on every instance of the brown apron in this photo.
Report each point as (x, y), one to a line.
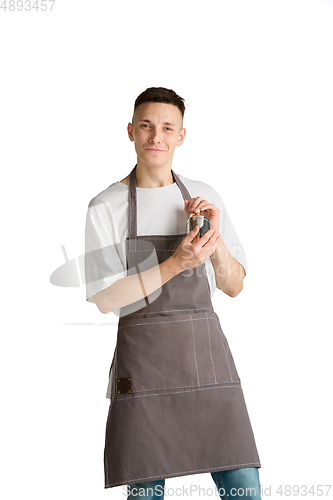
(177, 405)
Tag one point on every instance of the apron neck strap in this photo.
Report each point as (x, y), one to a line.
(132, 200)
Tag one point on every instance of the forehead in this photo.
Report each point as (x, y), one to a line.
(158, 112)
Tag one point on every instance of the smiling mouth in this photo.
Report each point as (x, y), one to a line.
(152, 149)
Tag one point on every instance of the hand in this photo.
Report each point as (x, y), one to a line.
(202, 207)
(192, 251)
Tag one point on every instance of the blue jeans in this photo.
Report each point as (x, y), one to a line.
(233, 484)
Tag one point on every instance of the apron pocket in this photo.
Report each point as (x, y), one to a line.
(157, 354)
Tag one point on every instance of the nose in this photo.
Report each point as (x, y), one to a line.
(155, 136)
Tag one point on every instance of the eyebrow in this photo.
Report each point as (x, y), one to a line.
(165, 123)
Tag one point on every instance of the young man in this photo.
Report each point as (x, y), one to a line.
(177, 405)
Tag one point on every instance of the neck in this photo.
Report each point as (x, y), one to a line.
(153, 177)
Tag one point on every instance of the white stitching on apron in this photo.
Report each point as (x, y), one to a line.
(210, 348)
(160, 322)
(181, 387)
(195, 356)
(177, 392)
(226, 357)
(141, 479)
(175, 310)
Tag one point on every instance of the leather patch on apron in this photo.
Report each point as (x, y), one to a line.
(124, 385)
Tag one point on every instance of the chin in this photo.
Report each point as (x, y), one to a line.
(154, 162)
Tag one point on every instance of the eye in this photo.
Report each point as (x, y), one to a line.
(168, 128)
(144, 125)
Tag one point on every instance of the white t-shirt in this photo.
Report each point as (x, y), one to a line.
(159, 211)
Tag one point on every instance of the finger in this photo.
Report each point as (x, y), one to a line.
(198, 204)
(194, 202)
(212, 244)
(187, 208)
(213, 240)
(206, 206)
(216, 236)
(193, 233)
(191, 202)
(204, 239)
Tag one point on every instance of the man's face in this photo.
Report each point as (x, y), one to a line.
(156, 131)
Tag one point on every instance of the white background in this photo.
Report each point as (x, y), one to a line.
(257, 79)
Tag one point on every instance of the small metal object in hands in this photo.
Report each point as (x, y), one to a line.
(198, 220)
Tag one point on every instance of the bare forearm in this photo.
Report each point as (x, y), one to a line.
(229, 272)
(130, 289)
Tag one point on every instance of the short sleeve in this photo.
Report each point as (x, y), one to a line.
(103, 255)
(228, 233)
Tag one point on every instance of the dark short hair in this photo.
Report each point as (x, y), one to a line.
(160, 94)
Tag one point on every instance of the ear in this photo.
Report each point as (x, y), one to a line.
(182, 134)
(130, 131)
